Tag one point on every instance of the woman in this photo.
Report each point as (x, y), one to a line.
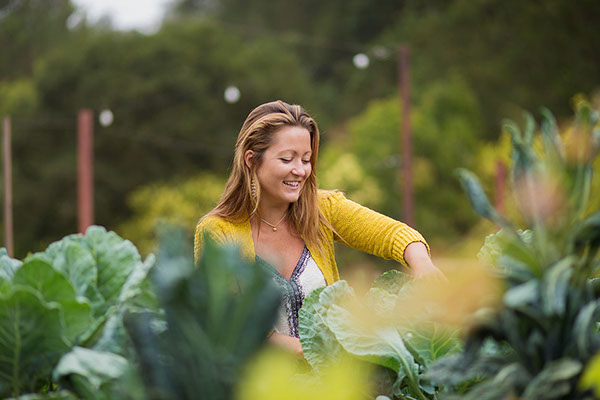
(272, 208)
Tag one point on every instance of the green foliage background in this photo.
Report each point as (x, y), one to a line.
(472, 64)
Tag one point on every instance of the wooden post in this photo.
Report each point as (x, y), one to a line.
(8, 212)
(85, 188)
(499, 185)
(406, 135)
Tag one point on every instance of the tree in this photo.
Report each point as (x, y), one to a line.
(325, 35)
(446, 124)
(166, 93)
(515, 55)
(28, 29)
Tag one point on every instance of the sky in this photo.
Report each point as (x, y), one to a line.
(143, 15)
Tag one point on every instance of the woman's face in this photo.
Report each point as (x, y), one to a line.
(285, 166)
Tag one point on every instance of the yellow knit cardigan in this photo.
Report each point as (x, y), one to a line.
(357, 226)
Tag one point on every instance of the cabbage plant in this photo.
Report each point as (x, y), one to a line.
(61, 312)
(335, 323)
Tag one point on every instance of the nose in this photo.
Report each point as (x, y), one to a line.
(299, 170)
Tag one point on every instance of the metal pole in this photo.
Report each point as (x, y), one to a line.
(406, 135)
(85, 188)
(8, 213)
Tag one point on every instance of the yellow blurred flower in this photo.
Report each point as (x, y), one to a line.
(459, 302)
(470, 292)
(591, 376)
(276, 375)
(541, 196)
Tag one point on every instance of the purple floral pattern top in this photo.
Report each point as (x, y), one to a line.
(305, 277)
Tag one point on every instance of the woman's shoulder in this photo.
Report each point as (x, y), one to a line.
(327, 198)
(214, 223)
(211, 221)
(330, 203)
(219, 229)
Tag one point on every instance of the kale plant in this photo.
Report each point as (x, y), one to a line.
(539, 342)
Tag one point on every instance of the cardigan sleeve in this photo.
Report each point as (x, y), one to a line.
(367, 230)
(208, 226)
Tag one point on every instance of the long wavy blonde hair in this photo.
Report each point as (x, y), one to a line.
(240, 200)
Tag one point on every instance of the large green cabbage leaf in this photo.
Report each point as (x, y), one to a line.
(320, 346)
(8, 267)
(97, 367)
(32, 340)
(74, 293)
(98, 264)
(331, 328)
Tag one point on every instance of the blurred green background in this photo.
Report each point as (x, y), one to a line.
(168, 151)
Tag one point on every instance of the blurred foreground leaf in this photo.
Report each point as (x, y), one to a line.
(275, 375)
(546, 328)
(336, 324)
(217, 315)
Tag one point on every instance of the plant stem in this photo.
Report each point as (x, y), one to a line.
(412, 382)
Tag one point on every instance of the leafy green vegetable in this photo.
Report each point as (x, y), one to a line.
(217, 315)
(97, 367)
(430, 342)
(320, 346)
(478, 198)
(392, 281)
(8, 267)
(383, 346)
(553, 382)
(98, 264)
(32, 340)
(72, 294)
(548, 320)
(333, 326)
(76, 313)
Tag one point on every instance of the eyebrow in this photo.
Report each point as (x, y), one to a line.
(294, 152)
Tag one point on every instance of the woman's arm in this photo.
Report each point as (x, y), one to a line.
(417, 258)
(287, 342)
(369, 231)
(375, 233)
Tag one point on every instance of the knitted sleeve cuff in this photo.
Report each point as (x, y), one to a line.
(403, 239)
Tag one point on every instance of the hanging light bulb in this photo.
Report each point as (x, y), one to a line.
(232, 94)
(360, 61)
(106, 118)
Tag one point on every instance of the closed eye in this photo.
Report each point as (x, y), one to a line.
(286, 160)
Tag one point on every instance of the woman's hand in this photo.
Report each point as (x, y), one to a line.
(420, 263)
(287, 342)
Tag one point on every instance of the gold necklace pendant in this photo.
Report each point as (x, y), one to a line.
(277, 224)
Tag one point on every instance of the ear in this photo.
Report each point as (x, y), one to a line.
(249, 158)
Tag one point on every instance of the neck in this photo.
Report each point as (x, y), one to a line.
(273, 214)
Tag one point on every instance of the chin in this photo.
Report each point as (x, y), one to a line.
(293, 200)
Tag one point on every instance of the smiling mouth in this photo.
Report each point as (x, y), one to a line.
(292, 184)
